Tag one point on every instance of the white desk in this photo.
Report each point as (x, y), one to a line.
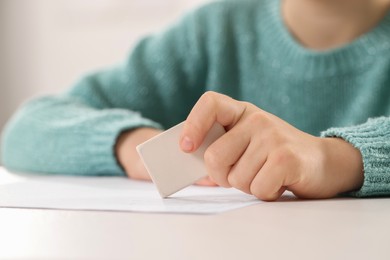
(327, 229)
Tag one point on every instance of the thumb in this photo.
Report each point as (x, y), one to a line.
(211, 107)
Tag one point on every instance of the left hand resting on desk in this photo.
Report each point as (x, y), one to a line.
(263, 155)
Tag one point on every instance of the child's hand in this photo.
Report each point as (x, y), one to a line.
(127, 154)
(263, 155)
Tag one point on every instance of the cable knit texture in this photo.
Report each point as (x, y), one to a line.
(239, 48)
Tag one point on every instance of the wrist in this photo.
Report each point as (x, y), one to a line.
(345, 164)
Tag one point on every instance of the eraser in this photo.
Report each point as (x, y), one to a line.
(169, 167)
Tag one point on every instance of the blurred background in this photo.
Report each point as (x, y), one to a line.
(47, 45)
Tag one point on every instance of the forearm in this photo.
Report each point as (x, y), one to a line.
(58, 135)
(76, 133)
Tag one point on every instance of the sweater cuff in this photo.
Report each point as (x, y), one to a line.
(373, 140)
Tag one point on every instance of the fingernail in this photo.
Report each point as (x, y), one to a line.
(187, 145)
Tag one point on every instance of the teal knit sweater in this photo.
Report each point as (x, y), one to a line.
(239, 48)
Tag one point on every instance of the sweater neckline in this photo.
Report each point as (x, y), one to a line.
(293, 56)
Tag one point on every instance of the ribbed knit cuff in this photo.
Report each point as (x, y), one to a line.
(373, 140)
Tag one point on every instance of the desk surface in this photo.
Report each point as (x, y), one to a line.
(323, 229)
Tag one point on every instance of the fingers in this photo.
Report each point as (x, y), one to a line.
(211, 107)
(277, 173)
(252, 155)
(207, 181)
(244, 171)
(223, 154)
(268, 183)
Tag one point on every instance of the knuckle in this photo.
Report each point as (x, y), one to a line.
(249, 106)
(256, 118)
(212, 158)
(258, 193)
(260, 120)
(285, 156)
(238, 182)
(209, 96)
(208, 100)
(261, 194)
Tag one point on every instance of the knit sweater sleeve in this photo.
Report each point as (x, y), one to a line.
(75, 133)
(373, 140)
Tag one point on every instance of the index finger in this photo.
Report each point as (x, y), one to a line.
(211, 107)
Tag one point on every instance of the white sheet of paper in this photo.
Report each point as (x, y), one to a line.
(170, 168)
(112, 194)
